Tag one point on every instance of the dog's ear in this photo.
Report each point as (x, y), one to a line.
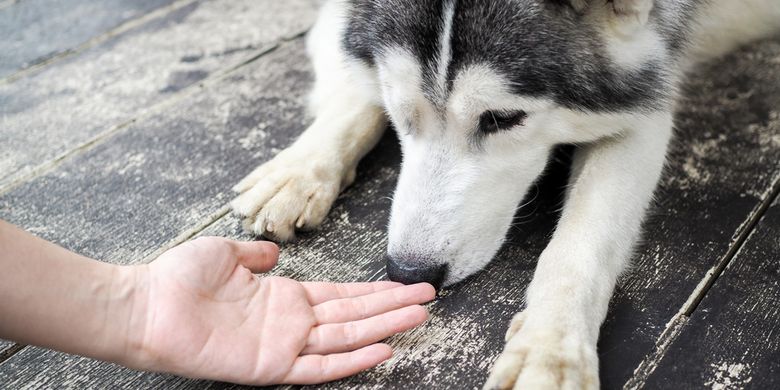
(626, 17)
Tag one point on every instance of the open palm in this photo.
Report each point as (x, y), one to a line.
(208, 316)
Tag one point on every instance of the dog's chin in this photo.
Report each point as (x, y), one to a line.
(458, 275)
(454, 281)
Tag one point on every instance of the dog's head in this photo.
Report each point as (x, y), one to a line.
(480, 91)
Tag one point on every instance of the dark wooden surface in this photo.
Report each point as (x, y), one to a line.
(733, 338)
(144, 133)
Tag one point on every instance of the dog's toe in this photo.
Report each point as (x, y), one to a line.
(249, 203)
(317, 207)
(288, 193)
(544, 359)
(279, 215)
(515, 325)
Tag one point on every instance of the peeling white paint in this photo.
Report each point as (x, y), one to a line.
(725, 376)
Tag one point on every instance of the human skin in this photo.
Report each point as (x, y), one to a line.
(200, 311)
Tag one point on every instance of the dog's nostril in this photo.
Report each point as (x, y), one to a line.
(408, 271)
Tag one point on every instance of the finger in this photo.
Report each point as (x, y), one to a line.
(258, 256)
(337, 338)
(321, 292)
(314, 369)
(358, 308)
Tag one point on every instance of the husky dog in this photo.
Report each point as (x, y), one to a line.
(480, 92)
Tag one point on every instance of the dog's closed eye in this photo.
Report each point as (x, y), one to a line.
(494, 121)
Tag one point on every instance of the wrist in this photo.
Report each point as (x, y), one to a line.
(126, 322)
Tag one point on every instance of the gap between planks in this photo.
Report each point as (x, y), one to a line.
(92, 42)
(644, 370)
(744, 233)
(180, 239)
(672, 330)
(146, 113)
(675, 326)
(10, 351)
(188, 234)
(83, 148)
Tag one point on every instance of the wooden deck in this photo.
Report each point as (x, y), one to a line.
(123, 125)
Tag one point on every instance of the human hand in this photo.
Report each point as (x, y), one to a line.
(206, 315)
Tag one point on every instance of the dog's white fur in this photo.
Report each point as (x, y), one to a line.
(297, 188)
(461, 210)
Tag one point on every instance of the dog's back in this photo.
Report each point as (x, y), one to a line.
(723, 25)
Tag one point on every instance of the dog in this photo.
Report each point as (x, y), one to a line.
(480, 92)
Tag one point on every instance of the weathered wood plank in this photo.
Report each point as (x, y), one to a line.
(176, 167)
(465, 333)
(348, 248)
(721, 168)
(705, 199)
(102, 89)
(36, 30)
(731, 341)
(128, 196)
(4, 347)
(703, 202)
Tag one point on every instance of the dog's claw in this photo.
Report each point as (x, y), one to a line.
(544, 357)
(293, 191)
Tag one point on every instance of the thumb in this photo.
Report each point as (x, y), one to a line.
(258, 256)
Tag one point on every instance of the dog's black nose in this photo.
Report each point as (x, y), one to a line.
(411, 271)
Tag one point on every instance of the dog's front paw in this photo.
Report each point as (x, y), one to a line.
(293, 191)
(544, 358)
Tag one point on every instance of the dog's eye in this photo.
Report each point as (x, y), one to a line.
(494, 121)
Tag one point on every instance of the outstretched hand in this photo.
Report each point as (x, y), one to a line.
(205, 314)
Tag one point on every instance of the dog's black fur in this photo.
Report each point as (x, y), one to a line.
(544, 47)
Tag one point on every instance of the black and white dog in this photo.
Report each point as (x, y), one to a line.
(480, 92)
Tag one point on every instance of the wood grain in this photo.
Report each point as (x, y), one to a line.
(731, 341)
(36, 30)
(704, 201)
(143, 188)
(130, 195)
(5, 347)
(102, 90)
(721, 168)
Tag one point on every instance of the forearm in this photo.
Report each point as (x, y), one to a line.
(57, 299)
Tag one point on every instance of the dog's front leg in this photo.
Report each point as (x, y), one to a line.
(552, 344)
(296, 189)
